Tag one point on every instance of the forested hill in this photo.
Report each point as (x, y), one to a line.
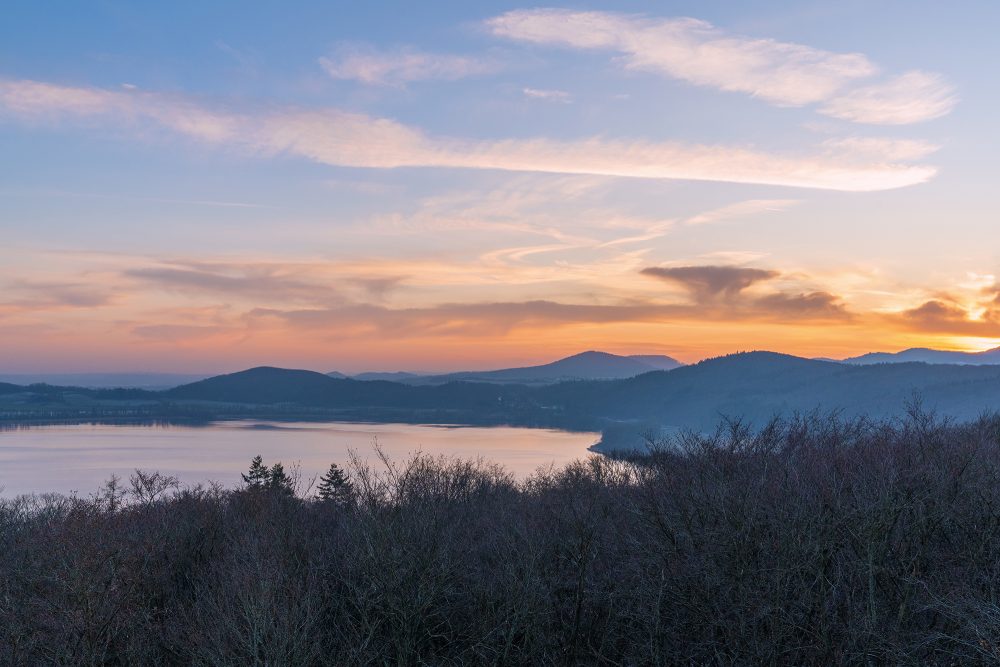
(928, 356)
(756, 386)
(591, 365)
(759, 385)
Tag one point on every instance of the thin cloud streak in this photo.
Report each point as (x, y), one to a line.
(782, 73)
(340, 138)
(548, 95)
(694, 51)
(31, 296)
(368, 65)
(491, 319)
(258, 282)
(913, 97)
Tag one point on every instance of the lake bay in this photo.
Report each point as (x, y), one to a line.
(78, 458)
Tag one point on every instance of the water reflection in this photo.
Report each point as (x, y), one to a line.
(78, 457)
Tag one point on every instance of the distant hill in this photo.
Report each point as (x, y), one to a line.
(928, 356)
(590, 365)
(103, 380)
(759, 385)
(659, 362)
(391, 376)
(7, 388)
(279, 386)
(755, 386)
(258, 385)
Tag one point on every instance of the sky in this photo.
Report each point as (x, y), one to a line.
(208, 186)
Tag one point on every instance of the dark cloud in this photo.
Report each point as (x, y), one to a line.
(711, 283)
(935, 312)
(942, 316)
(720, 288)
(821, 305)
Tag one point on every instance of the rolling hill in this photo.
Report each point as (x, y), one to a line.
(754, 386)
(153, 381)
(928, 356)
(590, 365)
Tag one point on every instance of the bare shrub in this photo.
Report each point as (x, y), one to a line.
(809, 540)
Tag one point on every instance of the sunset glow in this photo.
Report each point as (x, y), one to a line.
(485, 185)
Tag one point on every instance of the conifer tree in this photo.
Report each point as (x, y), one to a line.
(334, 487)
(258, 476)
(279, 480)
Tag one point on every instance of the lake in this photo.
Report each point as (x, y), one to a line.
(79, 457)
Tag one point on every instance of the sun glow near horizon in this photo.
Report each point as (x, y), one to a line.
(482, 186)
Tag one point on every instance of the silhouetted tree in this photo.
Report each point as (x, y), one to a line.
(148, 487)
(334, 487)
(810, 541)
(280, 481)
(112, 494)
(259, 475)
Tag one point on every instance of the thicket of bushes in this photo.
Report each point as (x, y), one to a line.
(810, 541)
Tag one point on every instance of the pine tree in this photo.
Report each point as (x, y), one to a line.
(279, 481)
(334, 487)
(258, 476)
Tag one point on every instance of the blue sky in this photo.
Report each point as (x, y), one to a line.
(202, 186)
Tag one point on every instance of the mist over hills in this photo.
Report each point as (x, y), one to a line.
(929, 356)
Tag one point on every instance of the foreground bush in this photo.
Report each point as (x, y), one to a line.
(810, 541)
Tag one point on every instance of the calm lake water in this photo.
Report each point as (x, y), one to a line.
(80, 457)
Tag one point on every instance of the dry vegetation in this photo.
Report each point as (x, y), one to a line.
(810, 541)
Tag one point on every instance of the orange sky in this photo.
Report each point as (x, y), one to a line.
(495, 187)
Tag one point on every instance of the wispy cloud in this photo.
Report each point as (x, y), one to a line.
(265, 282)
(29, 296)
(694, 51)
(459, 319)
(366, 64)
(718, 294)
(896, 150)
(490, 319)
(548, 95)
(178, 333)
(335, 137)
(741, 209)
(909, 98)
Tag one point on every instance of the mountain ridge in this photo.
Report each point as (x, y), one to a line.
(588, 365)
(754, 386)
(928, 356)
